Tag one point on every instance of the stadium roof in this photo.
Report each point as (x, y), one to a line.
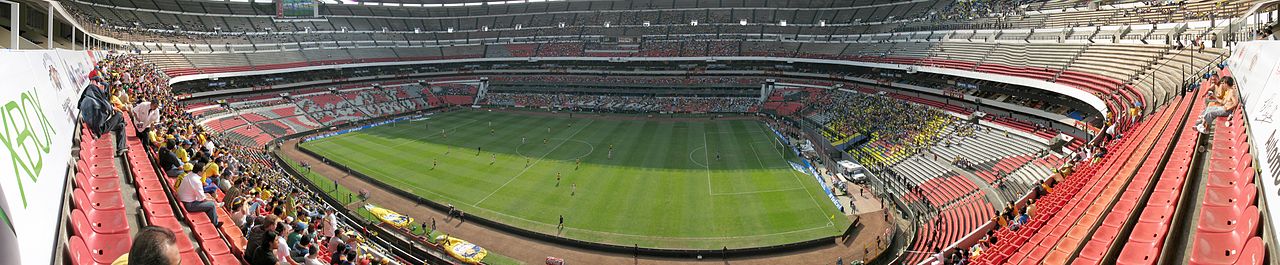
(636, 3)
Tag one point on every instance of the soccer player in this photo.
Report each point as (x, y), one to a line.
(544, 141)
(548, 129)
(524, 140)
(434, 163)
(557, 179)
(573, 190)
(442, 133)
(526, 161)
(561, 225)
(493, 158)
(490, 131)
(477, 151)
(578, 164)
(717, 156)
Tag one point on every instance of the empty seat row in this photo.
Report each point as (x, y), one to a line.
(1229, 223)
(1116, 217)
(1048, 206)
(1077, 218)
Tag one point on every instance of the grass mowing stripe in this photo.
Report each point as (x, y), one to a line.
(526, 169)
(650, 194)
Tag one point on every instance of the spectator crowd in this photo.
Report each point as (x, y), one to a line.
(283, 222)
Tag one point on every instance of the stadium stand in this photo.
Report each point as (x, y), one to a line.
(100, 232)
(1145, 188)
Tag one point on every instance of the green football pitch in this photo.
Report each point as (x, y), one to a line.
(703, 184)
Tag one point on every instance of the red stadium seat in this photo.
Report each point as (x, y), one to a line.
(1254, 253)
(1218, 248)
(215, 246)
(225, 259)
(191, 258)
(96, 184)
(104, 248)
(80, 253)
(157, 209)
(1139, 254)
(1225, 219)
(103, 201)
(1236, 196)
(105, 222)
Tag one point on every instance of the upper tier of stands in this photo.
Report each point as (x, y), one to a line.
(210, 23)
(1107, 70)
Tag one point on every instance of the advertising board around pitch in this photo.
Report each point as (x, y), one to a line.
(1256, 68)
(38, 108)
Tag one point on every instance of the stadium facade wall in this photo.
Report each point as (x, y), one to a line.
(39, 106)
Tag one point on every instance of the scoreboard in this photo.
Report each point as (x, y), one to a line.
(297, 8)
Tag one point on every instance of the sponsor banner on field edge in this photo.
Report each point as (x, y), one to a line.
(1256, 67)
(38, 107)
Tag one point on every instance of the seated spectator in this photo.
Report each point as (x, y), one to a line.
(282, 252)
(1224, 92)
(191, 194)
(313, 257)
(1031, 207)
(264, 253)
(101, 116)
(152, 245)
(169, 159)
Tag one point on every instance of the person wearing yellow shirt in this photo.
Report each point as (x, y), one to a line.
(181, 151)
(211, 169)
(154, 139)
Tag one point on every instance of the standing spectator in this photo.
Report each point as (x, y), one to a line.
(329, 224)
(146, 115)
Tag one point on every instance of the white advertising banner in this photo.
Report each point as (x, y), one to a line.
(1256, 67)
(39, 96)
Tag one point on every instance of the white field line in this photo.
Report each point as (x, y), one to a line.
(535, 162)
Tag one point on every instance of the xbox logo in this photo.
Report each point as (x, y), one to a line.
(27, 135)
